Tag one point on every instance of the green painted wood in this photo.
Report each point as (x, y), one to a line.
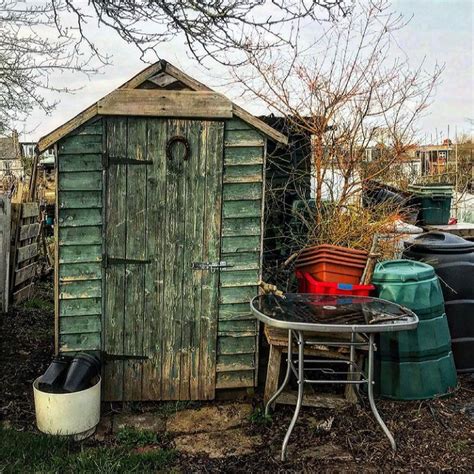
(80, 271)
(237, 295)
(243, 174)
(234, 362)
(240, 192)
(80, 199)
(81, 144)
(173, 270)
(243, 138)
(242, 209)
(236, 379)
(241, 227)
(241, 244)
(80, 307)
(115, 234)
(236, 345)
(248, 326)
(80, 289)
(80, 325)
(235, 311)
(213, 139)
(80, 253)
(80, 342)
(80, 162)
(239, 156)
(241, 261)
(93, 127)
(230, 279)
(81, 180)
(236, 124)
(156, 247)
(80, 236)
(79, 217)
(27, 252)
(135, 249)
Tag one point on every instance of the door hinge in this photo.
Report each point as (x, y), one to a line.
(212, 266)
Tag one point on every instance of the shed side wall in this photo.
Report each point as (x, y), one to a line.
(241, 247)
(79, 223)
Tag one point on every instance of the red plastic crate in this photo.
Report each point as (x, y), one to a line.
(308, 284)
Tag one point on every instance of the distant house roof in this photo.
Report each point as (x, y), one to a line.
(10, 147)
(161, 75)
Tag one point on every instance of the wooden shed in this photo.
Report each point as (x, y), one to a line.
(159, 237)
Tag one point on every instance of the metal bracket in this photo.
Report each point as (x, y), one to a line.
(212, 266)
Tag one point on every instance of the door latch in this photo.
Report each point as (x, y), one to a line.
(212, 266)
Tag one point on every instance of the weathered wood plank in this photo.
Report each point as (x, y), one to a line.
(80, 162)
(243, 138)
(80, 307)
(213, 138)
(80, 271)
(243, 174)
(79, 217)
(242, 192)
(27, 252)
(29, 231)
(236, 379)
(80, 236)
(236, 345)
(23, 294)
(237, 295)
(231, 279)
(80, 289)
(135, 249)
(24, 274)
(80, 199)
(156, 248)
(80, 253)
(81, 180)
(115, 234)
(241, 227)
(94, 127)
(242, 209)
(241, 244)
(165, 103)
(234, 362)
(80, 325)
(81, 144)
(247, 326)
(235, 311)
(243, 156)
(173, 269)
(29, 209)
(236, 124)
(80, 342)
(241, 261)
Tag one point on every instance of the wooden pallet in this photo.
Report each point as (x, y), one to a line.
(24, 250)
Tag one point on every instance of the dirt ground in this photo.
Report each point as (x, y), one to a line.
(431, 435)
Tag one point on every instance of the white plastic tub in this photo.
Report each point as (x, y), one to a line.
(69, 414)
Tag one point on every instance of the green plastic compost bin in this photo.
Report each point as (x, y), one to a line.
(417, 364)
(434, 202)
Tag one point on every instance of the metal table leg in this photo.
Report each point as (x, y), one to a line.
(370, 390)
(287, 375)
(300, 381)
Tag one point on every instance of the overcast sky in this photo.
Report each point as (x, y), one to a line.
(440, 30)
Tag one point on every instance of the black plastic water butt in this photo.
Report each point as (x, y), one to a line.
(452, 257)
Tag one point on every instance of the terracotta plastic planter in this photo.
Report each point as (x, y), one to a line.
(329, 254)
(331, 270)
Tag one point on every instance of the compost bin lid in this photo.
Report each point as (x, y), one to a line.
(400, 271)
(440, 242)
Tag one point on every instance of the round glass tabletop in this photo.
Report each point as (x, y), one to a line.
(332, 313)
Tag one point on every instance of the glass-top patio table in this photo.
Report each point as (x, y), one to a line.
(360, 316)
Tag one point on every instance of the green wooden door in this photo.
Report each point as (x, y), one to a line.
(162, 214)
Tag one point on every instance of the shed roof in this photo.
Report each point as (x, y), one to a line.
(161, 75)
